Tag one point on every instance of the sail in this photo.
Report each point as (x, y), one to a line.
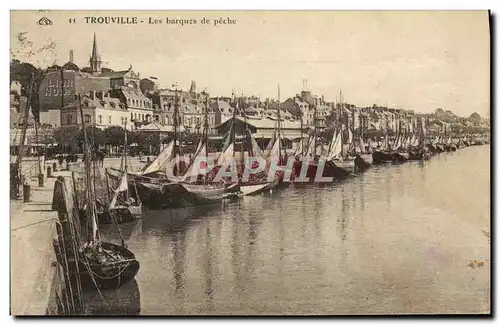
(161, 160)
(350, 136)
(122, 187)
(275, 150)
(299, 149)
(226, 156)
(271, 143)
(336, 135)
(195, 169)
(413, 140)
(385, 144)
(362, 145)
(199, 147)
(310, 146)
(336, 148)
(255, 147)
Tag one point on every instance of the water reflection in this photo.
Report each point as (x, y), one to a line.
(207, 266)
(125, 300)
(359, 246)
(179, 267)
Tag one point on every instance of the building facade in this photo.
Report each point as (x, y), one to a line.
(99, 109)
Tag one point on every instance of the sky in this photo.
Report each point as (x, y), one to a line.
(420, 60)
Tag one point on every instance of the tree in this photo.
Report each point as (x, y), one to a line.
(115, 135)
(65, 134)
(146, 85)
(94, 135)
(439, 111)
(475, 118)
(24, 48)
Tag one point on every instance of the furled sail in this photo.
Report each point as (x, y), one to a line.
(161, 161)
(336, 148)
(194, 168)
(226, 156)
(122, 187)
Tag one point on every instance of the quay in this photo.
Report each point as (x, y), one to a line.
(33, 278)
(37, 285)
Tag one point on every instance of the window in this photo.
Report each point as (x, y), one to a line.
(125, 118)
(87, 118)
(131, 116)
(197, 120)
(100, 119)
(69, 119)
(109, 119)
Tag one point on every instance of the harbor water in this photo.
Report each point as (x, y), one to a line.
(396, 239)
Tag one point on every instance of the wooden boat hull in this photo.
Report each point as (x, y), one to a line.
(135, 211)
(108, 275)
(418, 154)
(204, 193)
(343, 168)
(399, 157)
(255, 189)
(329, 170)
(130, 212)
(381, 157)
(363, 161)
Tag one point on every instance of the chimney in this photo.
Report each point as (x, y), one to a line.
(92, 94)
(71, 56)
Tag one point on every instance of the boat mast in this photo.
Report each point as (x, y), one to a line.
(125, 159)
(232, 137)
(26, 110)
(205, 133)
(301, 134)
(315, 127)
(279, 124)
(353, 145)
(341, 123)
(176, 112)
(361, 132)
(91, 208)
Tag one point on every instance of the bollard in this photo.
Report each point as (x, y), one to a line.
(40, 180)
(26, 192)
(49, 171)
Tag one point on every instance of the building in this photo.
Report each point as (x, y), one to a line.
(309, 107)
(223, 109)
(139, 107)
(99, 109)
(191, 109)
(62, 85)
(263, 129)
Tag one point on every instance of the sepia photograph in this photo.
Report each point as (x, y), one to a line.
(250, 163)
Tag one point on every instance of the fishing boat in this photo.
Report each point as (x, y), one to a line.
(102, 264)
(156, 189)
(197, 182)
(383, 154)
(338, 164)
(399, 154)
(122, 205)
(364, 156)
(256, 183)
